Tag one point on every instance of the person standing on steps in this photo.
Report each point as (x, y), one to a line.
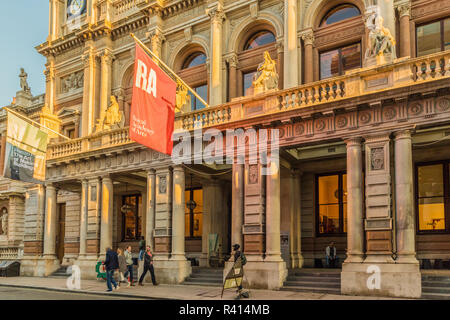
(148, 266)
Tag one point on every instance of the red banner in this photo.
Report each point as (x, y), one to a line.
(153, 105)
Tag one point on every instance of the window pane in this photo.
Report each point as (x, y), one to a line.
(329, 64)
(339, 14)
(248, 81)
(431, 181)
(328, 189)
(429, 38)
(187, 229)
(195, 59)
(329, 218)
(202, 91)
(260, 39)
(447, 34)
(351, 57)
(431, 214)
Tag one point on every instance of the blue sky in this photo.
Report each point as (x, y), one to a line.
(23, 25)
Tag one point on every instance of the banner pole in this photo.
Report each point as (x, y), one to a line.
(154, 56)
(34, 122)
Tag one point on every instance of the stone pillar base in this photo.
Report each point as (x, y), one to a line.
(396, 280)
(39, 266)
(203, 260)
(87, 266)
(261, 275)
(171, 271)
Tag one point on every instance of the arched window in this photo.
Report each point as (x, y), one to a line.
(192, 69)
(194, 60)
(339, 13)
(259, 39)
(251, 55)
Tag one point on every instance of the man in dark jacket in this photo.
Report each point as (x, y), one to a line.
(148, 266)
(111, 264)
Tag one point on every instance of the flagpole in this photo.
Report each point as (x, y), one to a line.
(34, 122)
(169, 69)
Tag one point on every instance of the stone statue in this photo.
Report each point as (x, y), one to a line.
(113, 117)
(381, 41)
(182, 96)
(23, 81)
(266, 77)
(4, 223)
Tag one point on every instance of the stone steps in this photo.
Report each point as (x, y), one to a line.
(205, 277)
(436, 287)
(316, 281)
(60, 273)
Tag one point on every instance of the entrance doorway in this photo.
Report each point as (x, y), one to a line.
(61, 231)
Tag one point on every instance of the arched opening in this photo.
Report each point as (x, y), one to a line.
(330, 56)
(256, 39)
(340, 13)
(191, 67)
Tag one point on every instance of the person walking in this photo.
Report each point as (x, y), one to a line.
(122, 266)
(112, 264)
(129, 262)
(148, 266)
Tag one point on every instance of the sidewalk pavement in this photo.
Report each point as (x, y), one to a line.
(176, 292)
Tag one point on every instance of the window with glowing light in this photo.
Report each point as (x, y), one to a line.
(131, 210)
(193, 213)
(331, 203)
(432, 193)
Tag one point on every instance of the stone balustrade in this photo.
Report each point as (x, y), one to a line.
(10, 253)
(358, 82)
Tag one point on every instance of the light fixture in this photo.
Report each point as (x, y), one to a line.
(191, 204)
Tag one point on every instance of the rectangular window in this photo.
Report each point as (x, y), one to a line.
(332, 203)
(202, 91)
(433, 37)
(336, 62)
(131, 217)
(194, 213)
(248, 81)
(432, 196)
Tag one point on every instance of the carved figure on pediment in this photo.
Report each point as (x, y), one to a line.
(266, 77)
(23, 81)
(381, 41)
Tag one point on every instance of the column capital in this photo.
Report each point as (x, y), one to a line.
(233, 60)
(308, 37)
(151, 172)
(404, 9)
(106, 56)
(354, 141)
(279, 45)
(106, 179)
(178, 168)
(216, 13)
(403, 134)
(50, 185)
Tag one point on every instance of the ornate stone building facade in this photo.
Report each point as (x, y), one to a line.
(363, 125)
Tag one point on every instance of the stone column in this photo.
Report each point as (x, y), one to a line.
(156, 37)
(233, 65)
(107, 215)
(54, 21)
(308, 40)
(280, 64)
(355, 236)
(88, 107)
(51, 221)
(404, 201)
(83, 217)
(2, 151)
(50, 83)
(237, 203)
(178, 214)
(217, 15)
(295, 208)
(106, 58)
(290, 44)
(273, 215)
(404, 12)
(151, 206)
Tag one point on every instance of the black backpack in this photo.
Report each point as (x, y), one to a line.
(243, 259)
